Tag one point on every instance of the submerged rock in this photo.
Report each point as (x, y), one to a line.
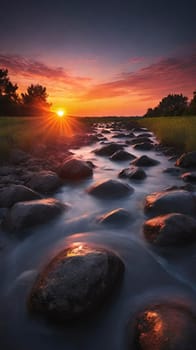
(75, 283)
(44, 181)
(110, 189)
(133, 172)
(172, 171)
(187, 160)
(122, 155)
(31, 213)
(145, 161)
(108, 150)
(16, 193)
(117, 217)
(75, 169)
(166, 326)
(171, 229)
(176, 201)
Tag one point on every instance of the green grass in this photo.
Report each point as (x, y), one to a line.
(179, 132)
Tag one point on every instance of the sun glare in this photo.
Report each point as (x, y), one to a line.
(60, 113)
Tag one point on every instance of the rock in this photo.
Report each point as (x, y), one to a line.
(117, 217)
(166, 326)
(187, 160)
(133, 172)
(75, 169)
(122, 155)
(145, 161)
(145, 134)
(171, 229)
(27, 214)
(75, 283)
(189, 177)
(176, 201)
(16, 193)
(110, 189)
(145, 146)
(108, 150)
(17, 156)
(44, 181)
(172, 171)
(119, 136)
(137, 140)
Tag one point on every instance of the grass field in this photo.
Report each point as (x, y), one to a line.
(179, 132)
(24, 132)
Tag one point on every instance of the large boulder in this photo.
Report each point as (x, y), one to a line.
(187, 160)
(176, 201)
(166, 326)
(145, 161)
(117, 217)
(44, 181)
(122, 155)
(75, 283)
(75, 169)
(171, 229)
(16, 193)
(108, 150)
(31, 213)
(110, 189)
(134, 172)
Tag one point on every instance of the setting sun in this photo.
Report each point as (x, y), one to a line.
(60, 113)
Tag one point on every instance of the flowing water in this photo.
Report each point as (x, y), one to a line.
(149, 275)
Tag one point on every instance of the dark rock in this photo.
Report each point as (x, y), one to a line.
(44, 181)
(30, 213)
(118, 217)
(176, 201)
(108, 150)
(16, 193)
(122, 155)
(75, 283)
(145, 161)
(166, 326)
(171, 229)
(187, 160)
(110, 189)
(75, 169)
(144, 146)
(172, 171)
(137, 140)
(133, 172)
(189, 177)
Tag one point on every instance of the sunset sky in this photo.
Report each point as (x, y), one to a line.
(101, 57)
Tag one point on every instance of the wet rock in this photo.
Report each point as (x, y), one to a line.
(75, 283)
(137, 140)
(16, 193)
(75, 169)
(122, 155)
(108, 150)
(110, 189)
(171, 229)
(145, 134)
(144, 146)
(187, 160)
(117, 217)
(172, 171)
(18, 156)
(145, 161)
(133, 172)
(138, 129)
(30, 213)
(44, 181)
(176, 201)
(189, 177)
(119, 136)
(167, 326)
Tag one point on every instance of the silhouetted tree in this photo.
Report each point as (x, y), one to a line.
(35, 100)
(172, 105)
(9, 100)
(192, 106)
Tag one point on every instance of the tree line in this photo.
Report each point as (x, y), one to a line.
(32, 102)
(173, 105)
